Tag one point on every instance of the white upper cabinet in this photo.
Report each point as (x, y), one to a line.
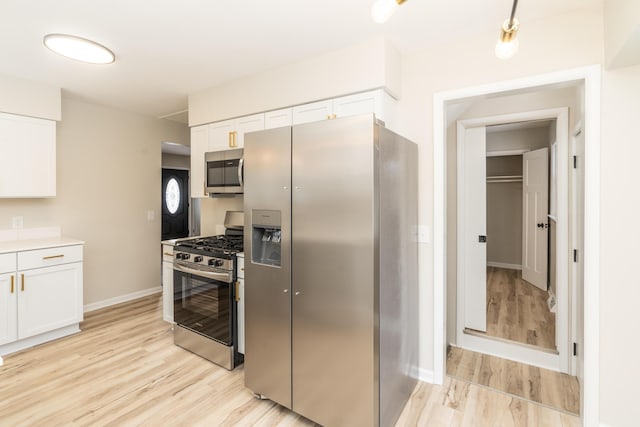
(221, 135)
(376, 101)
(248, 124)
(199, 146)
(313, 112)
(230, 133)
(278, 118)
(27, 157)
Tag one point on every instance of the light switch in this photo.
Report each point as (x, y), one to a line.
(424, 235)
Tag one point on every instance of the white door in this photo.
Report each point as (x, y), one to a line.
(248, 124)
(578, 243)
(535, 208)
(8, 305)
(313, 112)
(199, 146)
(472, 169)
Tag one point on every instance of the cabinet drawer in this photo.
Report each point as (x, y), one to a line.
(8, 263)
(48, 257)
(241, 267)
(167, 253)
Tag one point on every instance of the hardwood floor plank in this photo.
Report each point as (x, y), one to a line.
(123, 370)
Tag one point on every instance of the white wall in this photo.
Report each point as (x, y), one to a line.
(26, 98)
(622, 32)
(358, 68)
(620, 234)
(109, 176)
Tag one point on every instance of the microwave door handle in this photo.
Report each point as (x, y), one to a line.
(240, 172)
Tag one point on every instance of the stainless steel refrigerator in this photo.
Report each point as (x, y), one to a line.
(331, 270)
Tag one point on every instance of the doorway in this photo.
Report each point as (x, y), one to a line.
(589, 78)
(175, 203)
(511, 190)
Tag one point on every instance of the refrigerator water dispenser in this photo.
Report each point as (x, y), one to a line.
(266, 235)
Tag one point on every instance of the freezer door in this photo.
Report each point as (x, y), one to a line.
(267, 209)
(333, 251)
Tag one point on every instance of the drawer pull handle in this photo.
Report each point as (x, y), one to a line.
(22, 280)
(12, 282)
(53, 256)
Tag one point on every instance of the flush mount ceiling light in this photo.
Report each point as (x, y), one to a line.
(382, 10)
(79, 49)
(507, 45)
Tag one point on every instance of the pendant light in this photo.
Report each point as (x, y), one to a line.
(80, 49)
(507, 45)
(382, 10)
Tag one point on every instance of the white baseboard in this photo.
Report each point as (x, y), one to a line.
(504, 265)
(424, 375)
(122, 298)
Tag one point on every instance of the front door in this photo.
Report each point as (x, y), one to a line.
(535, 223)
(175, 203)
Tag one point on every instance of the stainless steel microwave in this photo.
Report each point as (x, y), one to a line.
(224, 172)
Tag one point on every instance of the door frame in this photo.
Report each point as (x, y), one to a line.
(526, 354)
(591, 76)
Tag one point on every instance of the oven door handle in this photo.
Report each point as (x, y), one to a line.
(221, 277)
(241, 172)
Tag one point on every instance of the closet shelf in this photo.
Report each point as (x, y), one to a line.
(504, 178)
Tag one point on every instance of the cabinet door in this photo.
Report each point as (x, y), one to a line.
(377, 101)
(221, 136)
(27, 157)
(49, 298)
(278, 118)
(313, 112)
(241, 316)
(248, 124)
(8, 313)
(199, 145)
(167, 291)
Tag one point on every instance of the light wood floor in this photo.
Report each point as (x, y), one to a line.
(123, 370)
(517, 310)
(550, 388)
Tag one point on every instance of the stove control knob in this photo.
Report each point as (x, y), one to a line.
(197, 259)
(186, 256)
(212, 262)
(219, 263)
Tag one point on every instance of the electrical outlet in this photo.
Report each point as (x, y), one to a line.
(17, 222)
(151, 215)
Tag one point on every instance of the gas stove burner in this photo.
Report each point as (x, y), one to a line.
(222, 244)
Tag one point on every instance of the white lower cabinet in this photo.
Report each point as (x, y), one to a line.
(167, 283)
(49, 298)
(41, 299)
(8, 308)
(240, 298)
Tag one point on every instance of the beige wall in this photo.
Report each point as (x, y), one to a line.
(108, 164)
(174, 161)
(26, 98)
(620, 234)
(212, 213)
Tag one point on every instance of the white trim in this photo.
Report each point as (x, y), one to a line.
(424, 375)
(29, 342)
(506, 153)
(1, 361)
(504, 265)
(591, 75)
(122, 298)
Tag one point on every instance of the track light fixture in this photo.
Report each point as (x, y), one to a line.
(507, 45)
(382, 10)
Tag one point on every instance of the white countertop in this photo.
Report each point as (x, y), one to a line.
(31, 244)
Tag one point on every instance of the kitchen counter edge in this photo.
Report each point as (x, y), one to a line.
(33, 244)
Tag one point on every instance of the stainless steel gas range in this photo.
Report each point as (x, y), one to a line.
(205, 289)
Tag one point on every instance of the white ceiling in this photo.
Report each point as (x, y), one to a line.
(167, 49)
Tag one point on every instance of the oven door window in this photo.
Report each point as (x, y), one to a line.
(203, 305)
